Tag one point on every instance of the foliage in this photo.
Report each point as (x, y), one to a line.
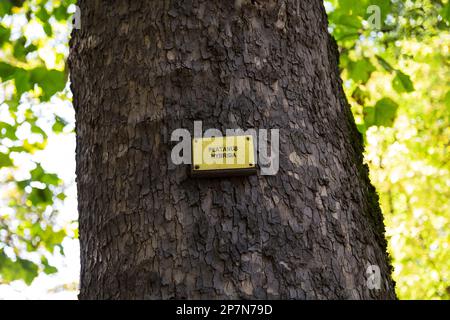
(32, 71)
(396, 80)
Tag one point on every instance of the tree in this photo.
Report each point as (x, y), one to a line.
(393, 61)
(139, 70)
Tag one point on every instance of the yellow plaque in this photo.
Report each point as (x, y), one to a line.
(221, 156)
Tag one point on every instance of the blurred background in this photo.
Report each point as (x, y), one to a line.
(395, 70)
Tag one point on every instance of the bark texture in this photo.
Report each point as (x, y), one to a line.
(141, 69)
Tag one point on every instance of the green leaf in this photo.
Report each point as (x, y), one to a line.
(48, 29)
(349, 21)
(5, 33)
(41, 197)
(360, 95)
(5, 7)
(22, 81)
(402, 83)
(351, 7)
(5, 161)
(360, 70)
(361, 128)
(32, 147)
(38, 174)
(13, 103)
(48, 269)
(60, 13)
(16, 149)
(20, 269)
(42, 14)
(59, 125)
(369, 116)
(386, 66)
(51, 81)
(29, 270)
(61, 196)
(18, 3)
(382, 114)
(23, 184)
(7, 131)
(445, 12)
(385, 112)
(53, 239)
(6, 71)
(21, 49)
(38, 130)
(345, 27)
(384, 5)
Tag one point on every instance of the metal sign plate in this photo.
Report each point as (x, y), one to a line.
(222, 156)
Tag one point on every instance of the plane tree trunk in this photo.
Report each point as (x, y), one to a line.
(141, 69)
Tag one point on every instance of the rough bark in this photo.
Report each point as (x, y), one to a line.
(141, 69)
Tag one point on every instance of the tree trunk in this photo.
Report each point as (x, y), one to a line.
(141, 69)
